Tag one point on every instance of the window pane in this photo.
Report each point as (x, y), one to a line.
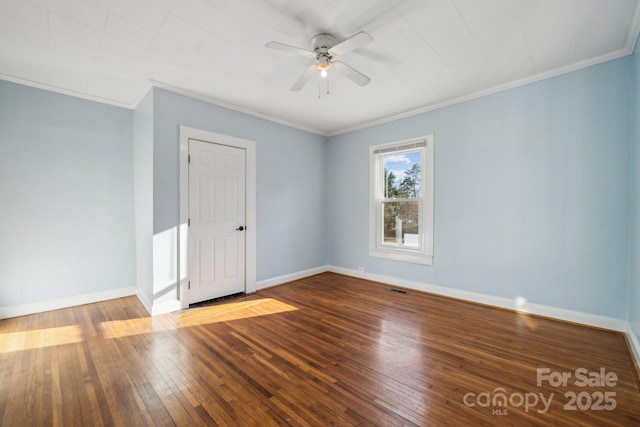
(400, 223)
(402, 175)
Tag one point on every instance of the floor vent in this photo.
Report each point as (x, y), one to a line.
(399, 291)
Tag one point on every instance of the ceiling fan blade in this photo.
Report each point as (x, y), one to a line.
(288, 48)
(304, 78)
(352, 74)
(352, 43)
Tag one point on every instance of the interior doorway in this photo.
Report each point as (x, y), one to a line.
(216, 220)
(217, 234)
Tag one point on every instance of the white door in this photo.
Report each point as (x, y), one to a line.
(217, 220)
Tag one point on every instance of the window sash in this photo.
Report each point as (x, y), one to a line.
(380, 243)
(377, 247)
(379, 162)
(380, 200)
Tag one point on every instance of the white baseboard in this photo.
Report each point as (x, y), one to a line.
(58, 303)
(520, 306)
(579, 317)
(144, 301)
(263, 284)
(165, 307)
(634, 344)
(169, 306)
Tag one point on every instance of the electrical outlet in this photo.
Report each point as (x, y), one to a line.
(361, 269)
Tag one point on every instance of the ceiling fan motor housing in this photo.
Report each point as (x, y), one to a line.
(323, 45)
(323, 42)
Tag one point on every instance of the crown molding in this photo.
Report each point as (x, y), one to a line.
(628, 49)
(496, 89)
(210, 100)
(68, 92)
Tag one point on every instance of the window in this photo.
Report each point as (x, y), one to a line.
(401, 200)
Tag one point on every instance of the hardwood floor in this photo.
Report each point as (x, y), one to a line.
(325, 350)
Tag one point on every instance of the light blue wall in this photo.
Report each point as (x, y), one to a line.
(66, 196)
(634, 200)
(535, 193)
(143, 190)
(531, 192)
(291, 175)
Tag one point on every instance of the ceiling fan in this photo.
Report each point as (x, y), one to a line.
(324, 50)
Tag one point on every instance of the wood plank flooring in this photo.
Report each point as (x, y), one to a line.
(325, 350)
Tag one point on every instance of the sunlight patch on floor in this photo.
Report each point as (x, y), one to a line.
(39, 338)
(128, 327)
(199, 316)
(49, 337)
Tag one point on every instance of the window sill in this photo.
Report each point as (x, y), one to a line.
(398, 255)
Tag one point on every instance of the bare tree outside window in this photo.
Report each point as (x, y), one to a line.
(401, 200)
(402, 184)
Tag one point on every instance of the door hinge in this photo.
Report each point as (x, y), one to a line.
(189, 222)
(188, 158)
(189, 282)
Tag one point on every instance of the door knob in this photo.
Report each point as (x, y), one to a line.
(240, 228)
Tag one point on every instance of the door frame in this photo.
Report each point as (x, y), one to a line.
(187, 133)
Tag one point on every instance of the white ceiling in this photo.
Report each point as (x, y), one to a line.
(425, 53)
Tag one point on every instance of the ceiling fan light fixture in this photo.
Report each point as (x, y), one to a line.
(324, 49)
(323, 66)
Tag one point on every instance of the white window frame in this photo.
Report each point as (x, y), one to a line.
(423, 254)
